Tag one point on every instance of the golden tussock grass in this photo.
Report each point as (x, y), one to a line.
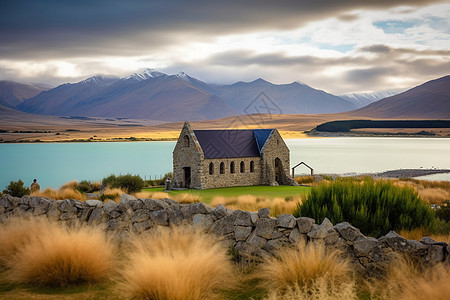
(65, 193)
(407, 280)
(277, 206)
(151, 195)
(304, 179)
(418, 233)
(114, 194)
(187, 198)
(305, 268)
(321, 289)
(16, 233)
(432, 192)
(70, 185)
(174, 264)
(60, 256)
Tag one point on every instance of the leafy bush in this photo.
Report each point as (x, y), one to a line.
(16, 189)
(443, 212)
(373, 207)
(128, 182)
(88, 186)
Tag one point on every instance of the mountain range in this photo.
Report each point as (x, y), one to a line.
(153, 95)
(158, 96)
(13, 93)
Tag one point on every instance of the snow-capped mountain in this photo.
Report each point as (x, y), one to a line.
(363, 99)
(100, 80)
(146, 74)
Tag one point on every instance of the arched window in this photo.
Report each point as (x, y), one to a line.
(186, 141)
(232, 167)
(222, 168)
(252, 166)
(211, 168)
(242, 167)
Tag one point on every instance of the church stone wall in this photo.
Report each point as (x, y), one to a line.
(237, 178)
(275, 148)
(187, 153)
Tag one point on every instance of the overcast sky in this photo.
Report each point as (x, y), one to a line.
(339, 46)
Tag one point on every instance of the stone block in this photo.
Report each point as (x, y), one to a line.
(221, 211)
(243, 218)
(264, 212)
(254, 217)
(140, 215)
(364, 245)
(348, 232)
(286, 221)
(96, 216)
(256, 240)
(94, 203)
(241, 233)
(202, 221)
(159, 217)
(305, 224)
(154, 204)
(142, 226)
(109, 206)
(224, 225)
(265, 226)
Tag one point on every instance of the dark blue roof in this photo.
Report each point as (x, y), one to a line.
(229, 143)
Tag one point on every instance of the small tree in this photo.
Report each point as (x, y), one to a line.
(16, 189)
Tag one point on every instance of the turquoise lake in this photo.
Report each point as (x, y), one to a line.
(56, 163)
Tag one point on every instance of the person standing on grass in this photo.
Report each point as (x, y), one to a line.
(35, 187)
(167, 184)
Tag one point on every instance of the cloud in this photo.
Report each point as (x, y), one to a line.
(65, 28)
(329, 44)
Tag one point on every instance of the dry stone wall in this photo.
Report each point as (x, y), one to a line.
(252, 235)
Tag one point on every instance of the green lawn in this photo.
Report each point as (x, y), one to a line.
(258, 191)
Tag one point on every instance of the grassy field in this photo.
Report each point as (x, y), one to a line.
(257, 191)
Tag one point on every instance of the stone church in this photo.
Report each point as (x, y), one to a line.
(205, 159)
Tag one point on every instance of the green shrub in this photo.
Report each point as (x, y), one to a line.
(373, 207)
(16, 189)
(104, 197)
(86, 186)
(443, 212)
(128, 182)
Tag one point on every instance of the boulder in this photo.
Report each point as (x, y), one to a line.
(286, 221)
(159, 217)
(109, 206)
(94, 203)
(140, 215)
(256, 240)
(199, 208)
(96, 216)
(399, 243)
(435, 254)
(305, 224)
(241, 233)
(126, 199)
(273, 245)
(142, 226)
(221, 211)
(202, 221)
(265, 226)
(155, 204)
(53, 211)
(243, 218)
(86, 212)
(364, 245)
(264, 212)
(348, 232)
(224, 225)
(322, 231)
(254, 217)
